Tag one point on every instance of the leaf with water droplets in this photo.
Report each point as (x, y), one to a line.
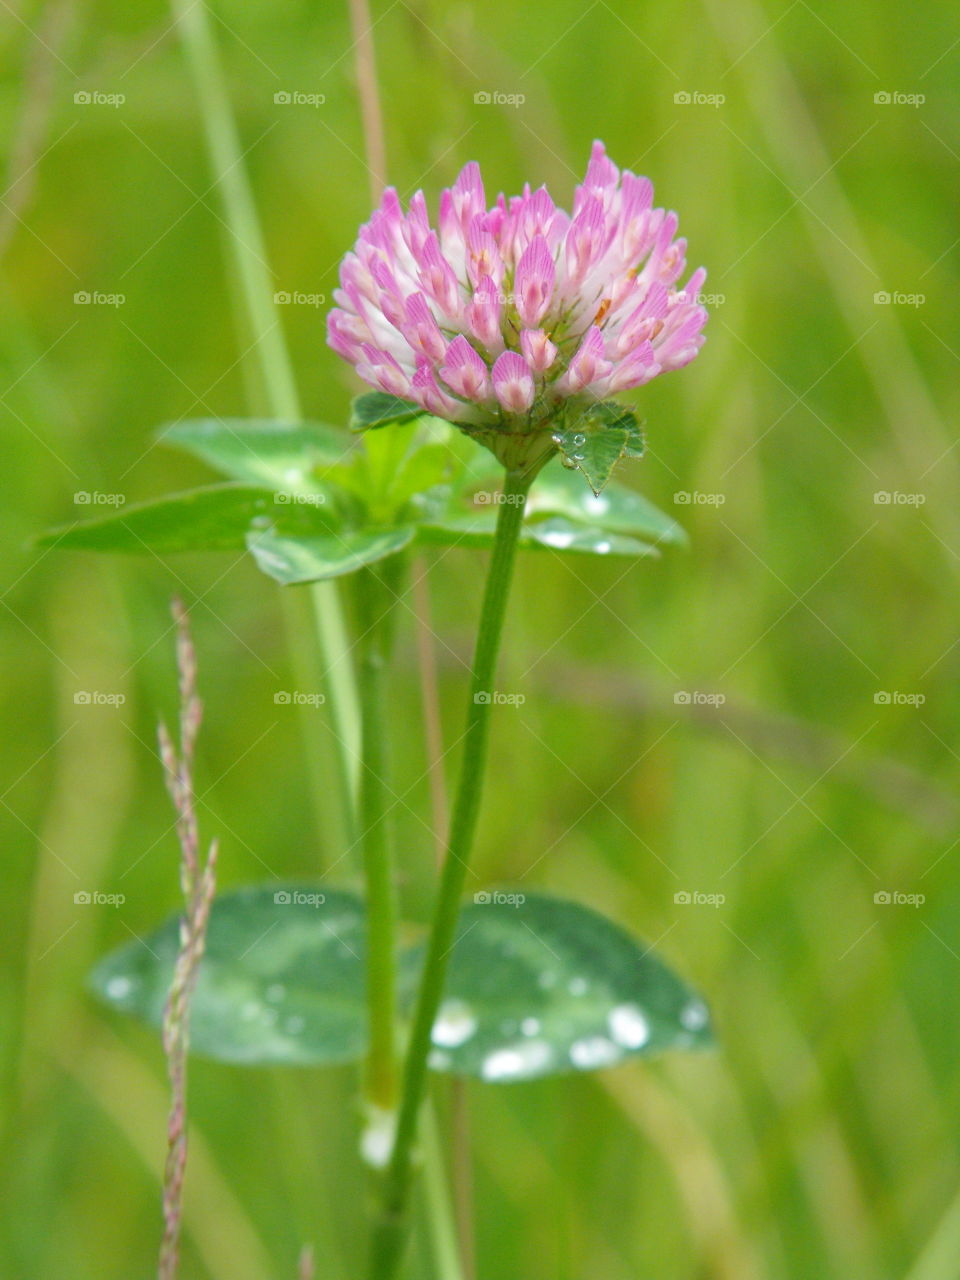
(540, 986)
(281, 981)
(561, 514)
(596, 439)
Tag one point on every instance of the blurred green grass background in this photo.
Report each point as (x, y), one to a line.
(822, 1139)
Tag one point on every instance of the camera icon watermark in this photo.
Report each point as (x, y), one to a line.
(96, 98)
(297, 98)
(300, 499)
(497, 898)
(888, 98)
(297, 698)
(495, 698)
(898, 298)
(84, 498)
(94, 698)
(894, 698)
(695, 898)
(696, 98)
(698, 698)
(296, 298)
(298, 898)
(94, 898)
(894, 498)
(686, 498)
(496, 497)
(496, 98)
(895, 898)
(88, 298)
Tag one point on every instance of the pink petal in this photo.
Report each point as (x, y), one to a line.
(513, 382)
(533, 285)
(465, 372)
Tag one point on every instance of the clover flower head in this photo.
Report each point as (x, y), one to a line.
(502, 318)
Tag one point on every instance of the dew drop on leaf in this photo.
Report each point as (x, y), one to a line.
(628, 1026)
(596, 1051)
(455, 1024)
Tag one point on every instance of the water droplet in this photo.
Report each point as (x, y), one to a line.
(629, 1026)
(577, 986)
(119, 987)
(596, 1051)
(530, 1026)
(456, 1024)
(557, 537)
(276, 991)
(597, 506)
(376, 1141)
(517, 1061)
(579, 438)
(602, 548)
(694, 1015)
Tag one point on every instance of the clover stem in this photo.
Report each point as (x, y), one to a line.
(375, 590)
(390, 1231)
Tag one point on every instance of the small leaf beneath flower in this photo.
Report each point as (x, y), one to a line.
(597, 439)
(378, 409)
(539, 986)
(295, 560)
(213, 518)
(283, 455)
(281, 980)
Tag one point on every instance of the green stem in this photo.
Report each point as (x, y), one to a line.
(246, 244)
(391, 1228)
(443, 1232)
(375, 595)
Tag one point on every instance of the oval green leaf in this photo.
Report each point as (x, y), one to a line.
(281, 981)
(539, 986)
(212, 518)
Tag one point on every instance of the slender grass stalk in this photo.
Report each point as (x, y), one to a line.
(198, 882)
(443, 1229)
(375, 591)
(248, 251)
(391, 1228)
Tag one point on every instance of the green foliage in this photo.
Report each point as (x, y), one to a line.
(281, 979)
(284, 456)
(378, 409)
(294, 560)
(596, 440)
(537, 986)
(336, 505)
(216, 518)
